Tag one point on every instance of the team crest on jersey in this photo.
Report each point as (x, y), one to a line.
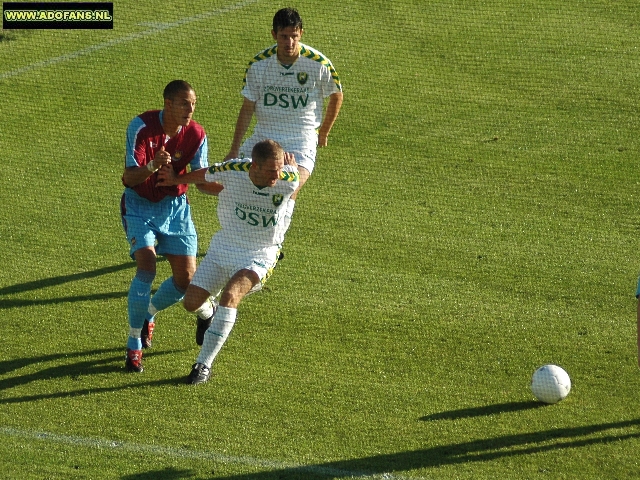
(302, 77)
(177, 155)
(277, 199)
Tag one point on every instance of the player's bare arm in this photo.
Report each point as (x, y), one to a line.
(133, 176)
(167, 177)
(210, 188)
(330, 116)
(242, 125)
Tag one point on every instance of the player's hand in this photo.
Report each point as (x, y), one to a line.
(162, 157)
(323, 139)
(167, 177)
(290, 159)
(230, 156)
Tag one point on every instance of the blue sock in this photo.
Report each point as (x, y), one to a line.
(134, 343)
(138, 303)
(168, 294)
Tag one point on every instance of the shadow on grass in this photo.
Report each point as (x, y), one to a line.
(483, 411)
(17, 303)
(458, 453)
(169, 473)
(7, 366)
(53, 281)
(76, 371)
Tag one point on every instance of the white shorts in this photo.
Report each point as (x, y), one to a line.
(223, 262)
(304, 158)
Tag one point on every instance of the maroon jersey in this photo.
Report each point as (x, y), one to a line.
(145, 136)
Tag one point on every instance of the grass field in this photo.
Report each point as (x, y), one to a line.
(474, 217)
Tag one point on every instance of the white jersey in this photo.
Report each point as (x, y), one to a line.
(251, 217)
(289, 100)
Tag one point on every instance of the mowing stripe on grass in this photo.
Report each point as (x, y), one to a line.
(155, 28)
(161, 451)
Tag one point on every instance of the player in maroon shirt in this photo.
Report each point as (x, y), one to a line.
(157, 220)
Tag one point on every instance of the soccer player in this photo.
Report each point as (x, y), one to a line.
(244, 252)
(157, 219)
(285, 87)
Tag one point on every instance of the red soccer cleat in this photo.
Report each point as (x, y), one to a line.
(133, 361)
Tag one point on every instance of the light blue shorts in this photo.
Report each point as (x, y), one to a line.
(165, 225)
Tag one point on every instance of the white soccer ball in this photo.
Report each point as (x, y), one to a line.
(550, 384)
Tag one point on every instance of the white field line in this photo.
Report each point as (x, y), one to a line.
(161, 451)
(154, 29)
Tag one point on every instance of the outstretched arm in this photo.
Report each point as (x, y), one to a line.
(167, 177)
(210, 188)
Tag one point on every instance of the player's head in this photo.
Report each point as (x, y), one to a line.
(287, 31)
(287, 17)
(267, 162)
(179, 102)
(176, 87)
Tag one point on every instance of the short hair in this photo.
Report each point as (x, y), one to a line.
(266, 150)
(287, 17)
(175, 87)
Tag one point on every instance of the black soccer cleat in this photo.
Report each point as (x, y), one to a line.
(133, 361)
(202, 327)
(199, 374)
(147, 333)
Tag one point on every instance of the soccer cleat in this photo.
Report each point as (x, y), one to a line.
(147, 333)
(133, 361)
(202, 327)
(199, 374)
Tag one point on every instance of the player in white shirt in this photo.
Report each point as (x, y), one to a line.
(285, 87)
(244, 252)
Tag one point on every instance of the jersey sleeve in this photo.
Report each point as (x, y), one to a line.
(251, 82)
(251, 89)
(219, 172)
(290, 177)
(135, 149)
(201, 158)
(329, 80)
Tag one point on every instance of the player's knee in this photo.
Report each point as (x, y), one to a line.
(190, 304)
(194, 298)
(182, 282)
(231, 299)
(145, 276)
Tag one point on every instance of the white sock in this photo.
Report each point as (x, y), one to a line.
(206, 310)
(216, 335)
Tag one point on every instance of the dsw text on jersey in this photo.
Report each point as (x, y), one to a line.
(256, 219)
(285, 101)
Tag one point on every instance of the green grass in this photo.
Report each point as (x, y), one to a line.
(474, 217)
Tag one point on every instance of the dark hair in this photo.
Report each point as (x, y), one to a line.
(287, 17)
(266, 150)
(175, 87)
